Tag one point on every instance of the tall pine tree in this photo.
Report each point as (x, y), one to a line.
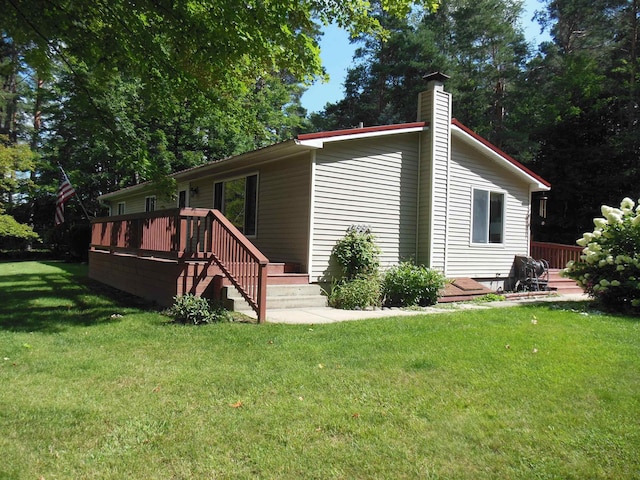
(587, 112)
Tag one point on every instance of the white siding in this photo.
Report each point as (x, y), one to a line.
(470, 170)
(204, 197)
(425, 190)
(435, 108)
(441, 126)
(136, 203)
(371, 182)
(283, 205)
(283, 210)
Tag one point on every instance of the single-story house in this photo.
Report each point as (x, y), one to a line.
(432, 191)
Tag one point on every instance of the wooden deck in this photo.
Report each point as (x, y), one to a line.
(161, 254)
(192, 247)
(462, 290)
(556, 254)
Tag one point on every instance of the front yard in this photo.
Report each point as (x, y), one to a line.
(92, 388)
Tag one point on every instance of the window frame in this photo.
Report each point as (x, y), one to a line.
(487, 218)
(123, 210)
(186, 199)
(150, 201)
(219, 201)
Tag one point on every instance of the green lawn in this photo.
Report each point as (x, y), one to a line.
(549, 391)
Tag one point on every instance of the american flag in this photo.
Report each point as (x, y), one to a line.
(65, 192)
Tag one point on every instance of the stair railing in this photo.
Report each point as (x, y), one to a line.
(189, 234)
(242, 263)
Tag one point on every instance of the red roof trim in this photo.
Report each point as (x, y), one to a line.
(356, 131)
(491, 146)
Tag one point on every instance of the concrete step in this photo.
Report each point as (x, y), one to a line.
(278, 297)
(282, 290)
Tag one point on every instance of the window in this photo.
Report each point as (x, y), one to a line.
(237, 200)
(121, 208)
(182, 199)
(149, 204)
(488, 217)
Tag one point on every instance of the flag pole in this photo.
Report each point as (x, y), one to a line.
(64, 174)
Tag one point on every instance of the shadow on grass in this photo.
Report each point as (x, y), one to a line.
(586, 307)
(53, 296)
(569, 305)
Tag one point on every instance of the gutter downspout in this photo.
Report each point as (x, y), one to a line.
(416, 247)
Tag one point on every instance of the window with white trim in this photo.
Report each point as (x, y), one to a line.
(237, 199)
(487, 225)
(150, 204)
(121, 208)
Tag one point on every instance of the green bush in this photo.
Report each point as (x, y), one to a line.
(489, 297)
(357, 253)
(610, 267)
(196, 310)
(11, 229)
(407, 284)
(359, 293)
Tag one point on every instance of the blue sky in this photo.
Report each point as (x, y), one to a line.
(336, 53)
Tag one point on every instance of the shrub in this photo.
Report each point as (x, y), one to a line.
(489, 297)
(359, 293)
(357, 253)
(610, 267)
(407, 284)
(196, 310)
(11, 229)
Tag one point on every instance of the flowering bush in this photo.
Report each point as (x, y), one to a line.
(610, 267)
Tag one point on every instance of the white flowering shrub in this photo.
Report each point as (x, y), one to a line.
(610, 267)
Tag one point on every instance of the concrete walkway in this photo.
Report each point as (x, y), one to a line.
(319, 315)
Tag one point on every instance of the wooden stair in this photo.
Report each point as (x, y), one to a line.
(562, 285)
(279, 297)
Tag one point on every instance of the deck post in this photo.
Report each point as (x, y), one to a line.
(262, 292)
(182, 233)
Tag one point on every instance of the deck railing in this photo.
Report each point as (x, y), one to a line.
(189, 233)
(243, 264)
(145, 234)
(555, 253)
